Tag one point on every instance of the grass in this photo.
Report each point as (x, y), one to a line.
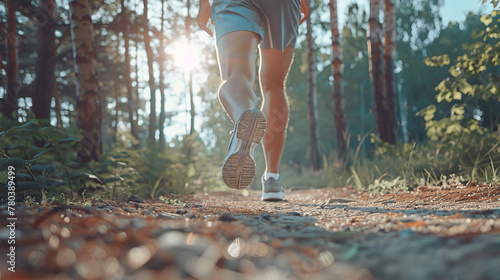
(402, 167)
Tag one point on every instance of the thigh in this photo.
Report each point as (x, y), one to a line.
(236, 52)
(274, 67)
(236, 15)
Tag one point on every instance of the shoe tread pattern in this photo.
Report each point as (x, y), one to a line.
(239, 168)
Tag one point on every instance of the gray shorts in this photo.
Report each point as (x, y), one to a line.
(276, 21)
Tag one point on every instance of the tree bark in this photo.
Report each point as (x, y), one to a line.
(132, 102)
(152, 83)
(57, 108)
(312, 98)
(389, 56)
(188, 141)
(161, 67)
(191, 95)
(191, 102)
(338, 80)
(116, 94)
(89, 103)
(10, 98)
(137, 87)
(45, 67)
(380, 102)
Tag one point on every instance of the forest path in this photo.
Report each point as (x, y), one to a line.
(431, 233)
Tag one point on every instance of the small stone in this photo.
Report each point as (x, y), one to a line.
(227, 217)
(135, 199)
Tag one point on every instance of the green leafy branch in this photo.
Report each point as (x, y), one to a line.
(19, 161)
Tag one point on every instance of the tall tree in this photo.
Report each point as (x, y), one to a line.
(380, 100)
(161, 68)
(191, 95)
(89, 103)
(132, 102)
(338, 80)
(45, 66)
(189, 140)
(116, 95)
(358, 104)
(389, 56)
(10, 98)
(312, 98)
(152, 83)
(57, 108)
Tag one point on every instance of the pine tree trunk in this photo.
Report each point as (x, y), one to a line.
(10, 98)
(191, 101)
(191, 95)
(89, 103)
(338, 80)
(312, 98)
(45, 66)
(116, 94)
(136, 88)
(161, 67)
(152, 83)
(376, 73)
(188, 141)
(57, 108)
(389, 56)
(132, 102)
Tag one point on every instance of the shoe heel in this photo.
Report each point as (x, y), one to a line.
(239, 168)
(238, 178)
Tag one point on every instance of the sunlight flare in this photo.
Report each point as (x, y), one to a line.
(186, 56)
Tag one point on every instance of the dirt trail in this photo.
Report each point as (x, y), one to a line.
(430, 233)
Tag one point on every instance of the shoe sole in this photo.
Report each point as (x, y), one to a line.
(278, 196)
(239, 168)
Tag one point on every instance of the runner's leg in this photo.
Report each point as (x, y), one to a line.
(236, 53)
(274, 69)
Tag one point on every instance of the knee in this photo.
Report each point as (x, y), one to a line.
(239, 80)
(237, 87)
(273, 88)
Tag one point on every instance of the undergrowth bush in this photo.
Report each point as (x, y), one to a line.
(469, 157)
(475, 157)
(47, 169)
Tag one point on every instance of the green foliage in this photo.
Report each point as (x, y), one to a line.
(473, 156)
(30, 201)
(386, 186)
(170, 201)
(43, 167)
(474, 78)
(452, 127)
(51, 167)
(143, 173)
(466, 141)
(151, 172)
(458, 157)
